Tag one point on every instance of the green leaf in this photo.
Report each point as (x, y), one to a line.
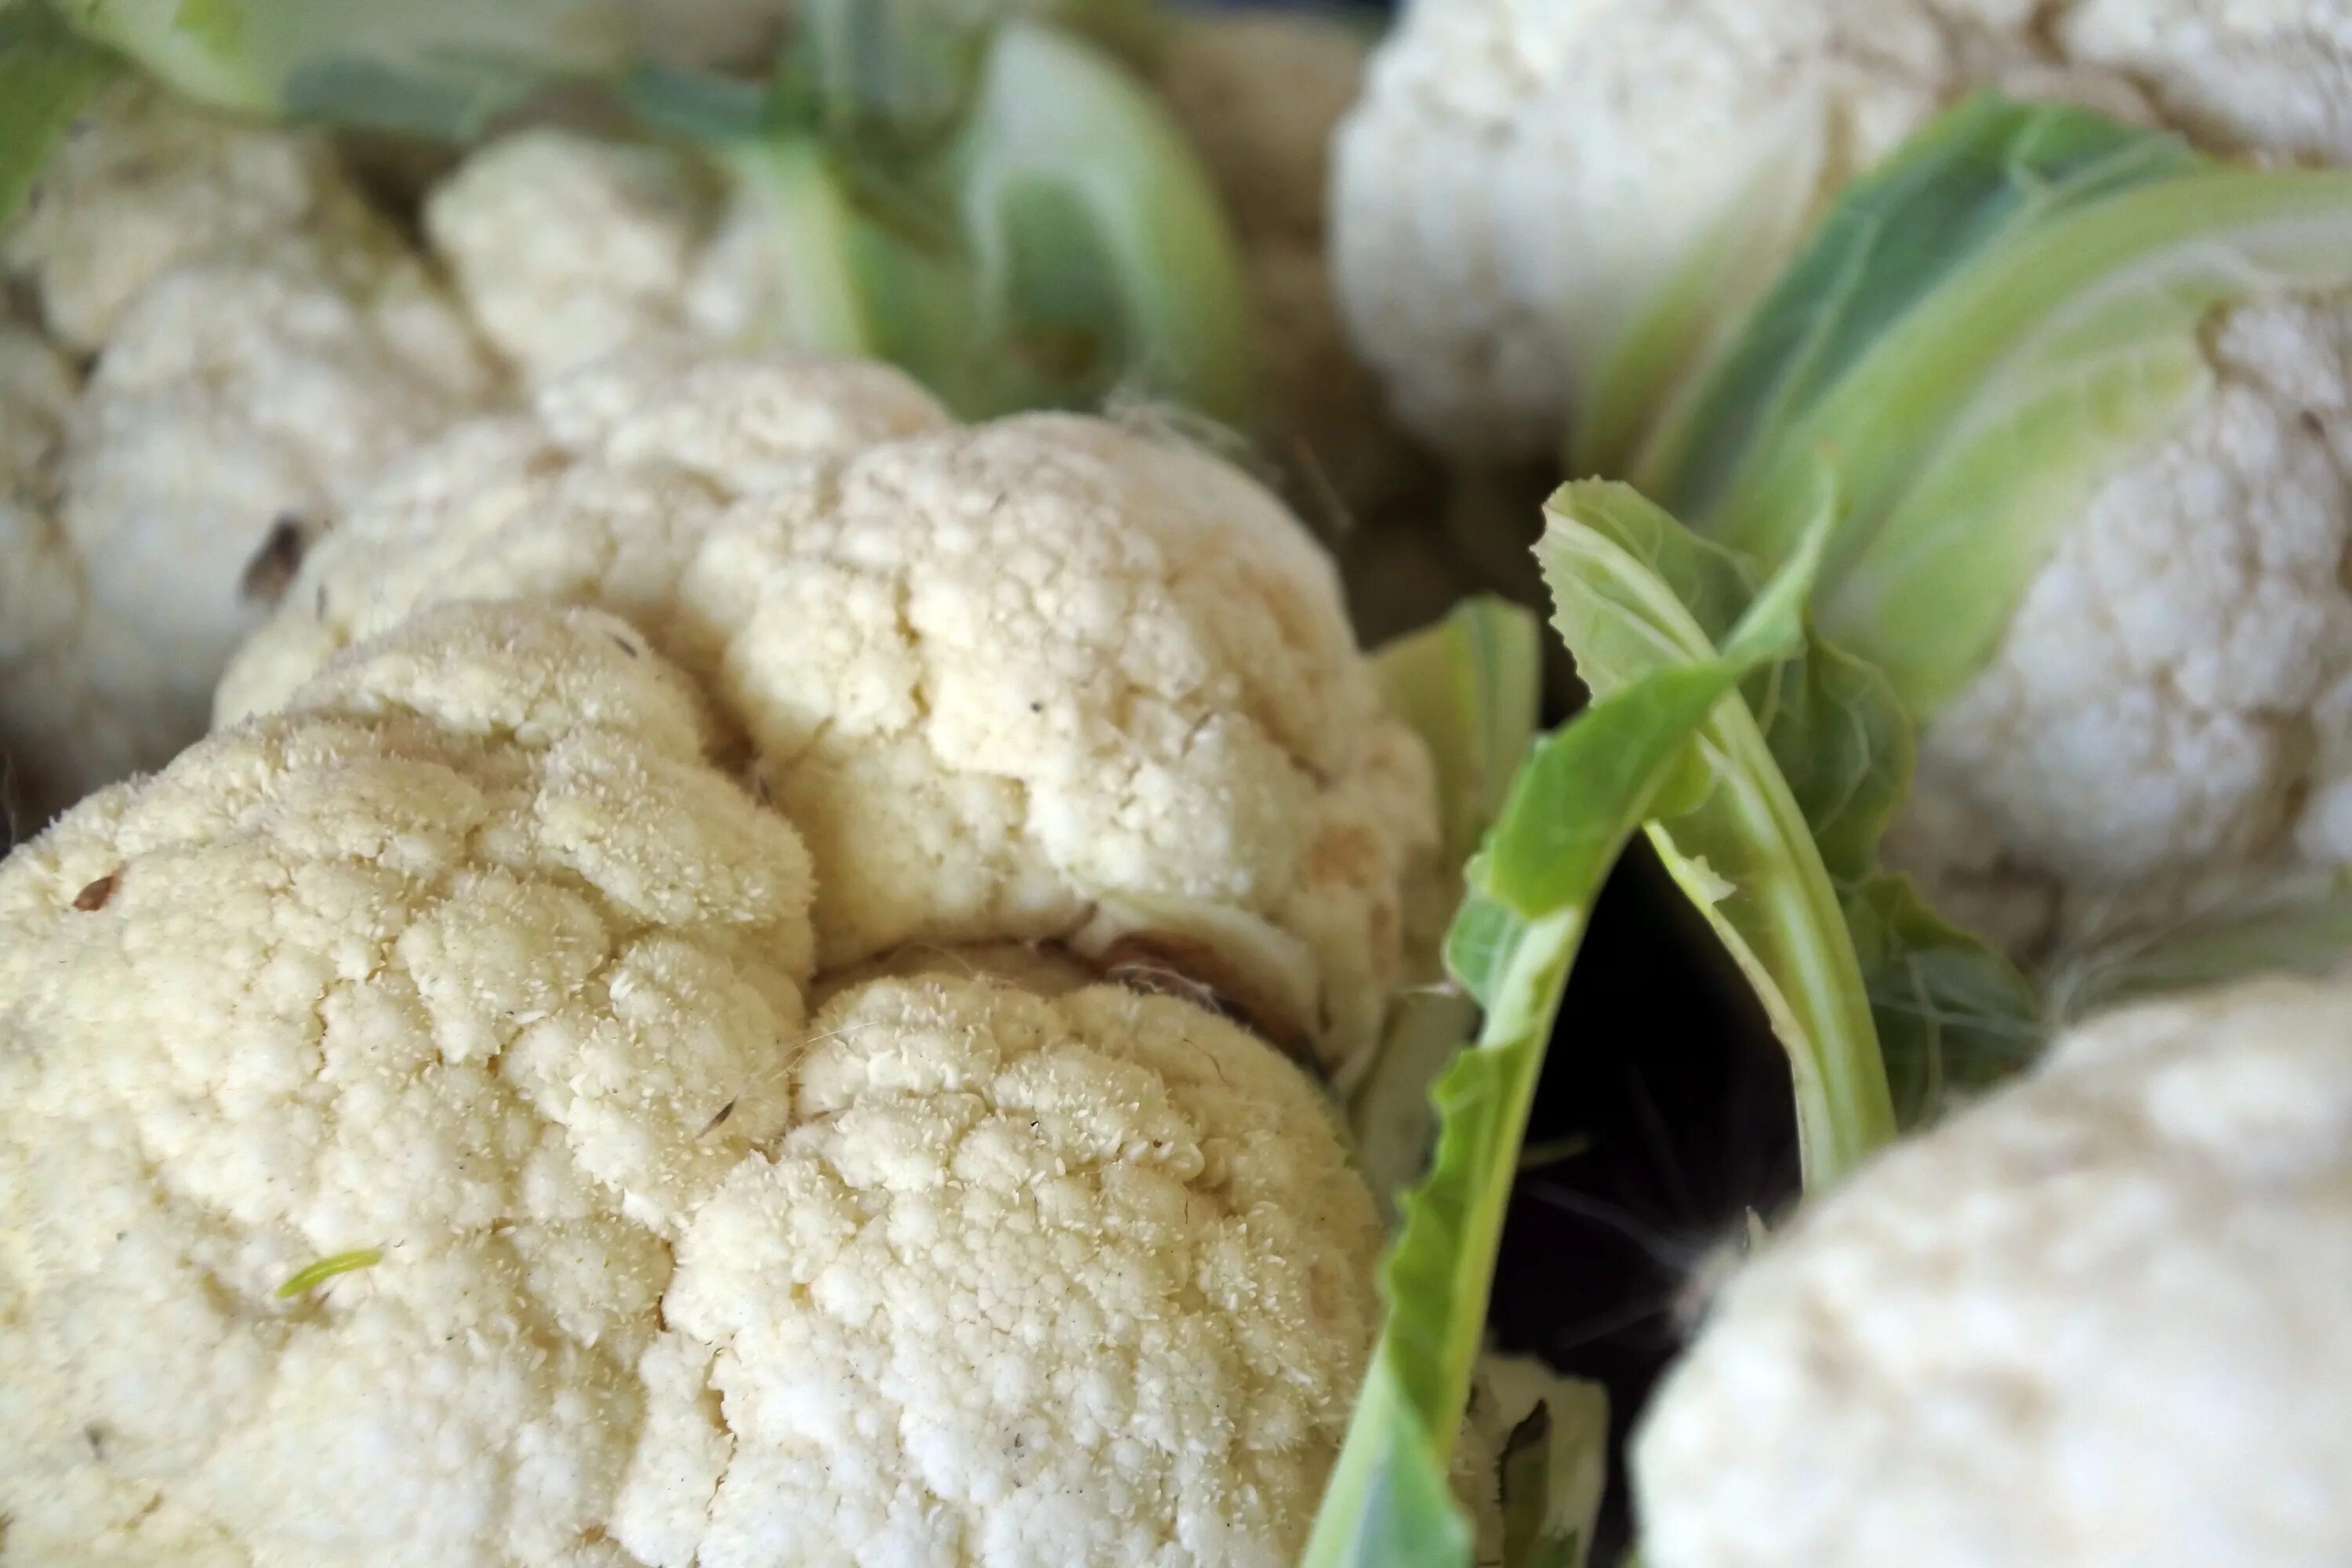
(1883, 1006)
(1581, 794)
(1554, 1463)
(1011, 217)
(1658, 357)
(1468, 686)
(694, 105)
(1975, 336)
(47, 74)
(1741, 847)
(439, 68)
(1985, 171)
(886, 75)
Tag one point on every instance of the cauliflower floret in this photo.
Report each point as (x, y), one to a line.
(566, 247)
(598, 494)
(1065, 1274)
(2096, 1320)
(2271, 75)
(2152, 734)
(256, 367)
(471, 965)
(1036, 678)
(197, 465)
(142, 183)
(411, 968)
(1521, 174)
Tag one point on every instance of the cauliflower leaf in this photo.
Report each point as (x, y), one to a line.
(1469, 687)
(441, 70)
(1971, 338)
(1883, 1006)
(997, 205)
(1575, 803)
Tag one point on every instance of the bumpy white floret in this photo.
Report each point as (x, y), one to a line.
(263, 353)
(2164, 720)
(1041, 1273)
(142, 183)
(567, 247)
(1522, 174)
(2096, 1320)
(1037, 678)
(2268, 76)
(458, 962)
(469, 960)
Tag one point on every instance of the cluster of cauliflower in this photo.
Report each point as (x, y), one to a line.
(223, 339)
(633, 949)
(738, 897)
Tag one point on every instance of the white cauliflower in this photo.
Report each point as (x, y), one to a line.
(413, 970)
(2096, 1320)
(1056, 1274)
(2169, 714)
(1522, 175)
(418, 1154)
(263, 344)
(566, 247)
(142, 185)
(1038, 678)
(2263, 75)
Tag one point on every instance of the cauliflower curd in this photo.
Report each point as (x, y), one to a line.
(260, 345)
(1035, 679)
(470, 967)
(2096, 1321)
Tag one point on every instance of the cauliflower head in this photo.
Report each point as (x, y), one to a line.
(2163, 726)
(1521, 176)
(2095, 1320)
(2167, 719)
(412, 969)
(253, 367)
(1038, 678)
(419, 1153)
(145, 183)
(1044, 1271)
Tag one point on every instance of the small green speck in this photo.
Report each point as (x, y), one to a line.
(326, 1269)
